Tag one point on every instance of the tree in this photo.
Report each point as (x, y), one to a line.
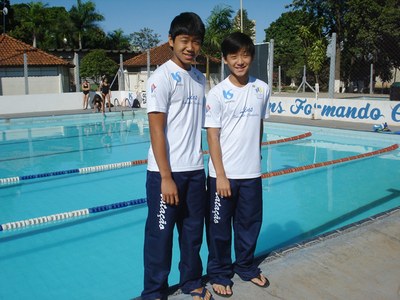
(58, 35)
(372, 37)
(218, 26)
(288, 47)
(95, 64)
(144, 39)
(248, 25)
(84, 17)
(31, 20)
(332, 12)
(117, 40)
(15, 28)
(367, 32)
(95, 38)
(314, 46)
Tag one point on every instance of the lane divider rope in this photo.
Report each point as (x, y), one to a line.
(108, 167)
(68, 215)
(330, 162)
(97, 209)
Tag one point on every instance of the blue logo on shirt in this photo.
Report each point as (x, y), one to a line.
(176, 76)
(228, 95)
(245, 110)
(192, 99)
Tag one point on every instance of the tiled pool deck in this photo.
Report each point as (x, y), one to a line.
(361, 261)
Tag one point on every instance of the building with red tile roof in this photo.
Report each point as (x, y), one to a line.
(46, 73)
(158, 56)
(137, 72)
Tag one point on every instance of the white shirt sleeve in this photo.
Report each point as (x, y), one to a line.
(158, 93)
(213, 110)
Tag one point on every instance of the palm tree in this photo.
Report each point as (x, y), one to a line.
(34, 21)
(84, 16)
(118, 40)
(219, 25)
(248, 25)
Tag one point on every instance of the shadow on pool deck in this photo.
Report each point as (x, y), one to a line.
(361, 261)
(358, 262)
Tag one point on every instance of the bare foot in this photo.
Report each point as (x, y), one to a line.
(222, 290)
(201, 294)
(260, 281)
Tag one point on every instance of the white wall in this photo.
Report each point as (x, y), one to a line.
(53, 102)
(40, 102)
(135, 81)
(36, 85)
(353, 110)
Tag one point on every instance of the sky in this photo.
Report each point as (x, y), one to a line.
(134, 15)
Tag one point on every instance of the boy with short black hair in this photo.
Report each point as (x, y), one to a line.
(175, 174)
(236, 108)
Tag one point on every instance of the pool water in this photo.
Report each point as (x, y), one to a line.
(100, 256)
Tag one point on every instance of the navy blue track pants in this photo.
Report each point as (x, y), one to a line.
(189, 219)
(243, 212)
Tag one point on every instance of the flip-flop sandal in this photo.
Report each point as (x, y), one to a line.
(202, 295)
(222, 295)
(266, 284)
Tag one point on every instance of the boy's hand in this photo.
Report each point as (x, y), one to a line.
(223, 187)
(169, 191)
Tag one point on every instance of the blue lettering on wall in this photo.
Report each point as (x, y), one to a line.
(376, 114)
(352, 112)
(365, 112)
(301, 105)
(276, 107)
(396, 113)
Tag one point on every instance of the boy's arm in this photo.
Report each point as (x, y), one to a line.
(169, 190)
(214, 145)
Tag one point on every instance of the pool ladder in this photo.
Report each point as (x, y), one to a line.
(117, 103)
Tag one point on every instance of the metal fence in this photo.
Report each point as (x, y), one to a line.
(358, 74)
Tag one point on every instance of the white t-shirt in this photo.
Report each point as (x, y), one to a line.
(180, 94)
(238, 111)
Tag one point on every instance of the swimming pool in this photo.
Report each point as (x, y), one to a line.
(99, 256)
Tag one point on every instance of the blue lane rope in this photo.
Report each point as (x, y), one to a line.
(69, 215)
(87, 170)
(100, 168)
(57, 173)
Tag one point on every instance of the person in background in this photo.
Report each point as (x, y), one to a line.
(175, 184)
(85, 90)
(235, 108)
(105, 93)
(97, 103)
